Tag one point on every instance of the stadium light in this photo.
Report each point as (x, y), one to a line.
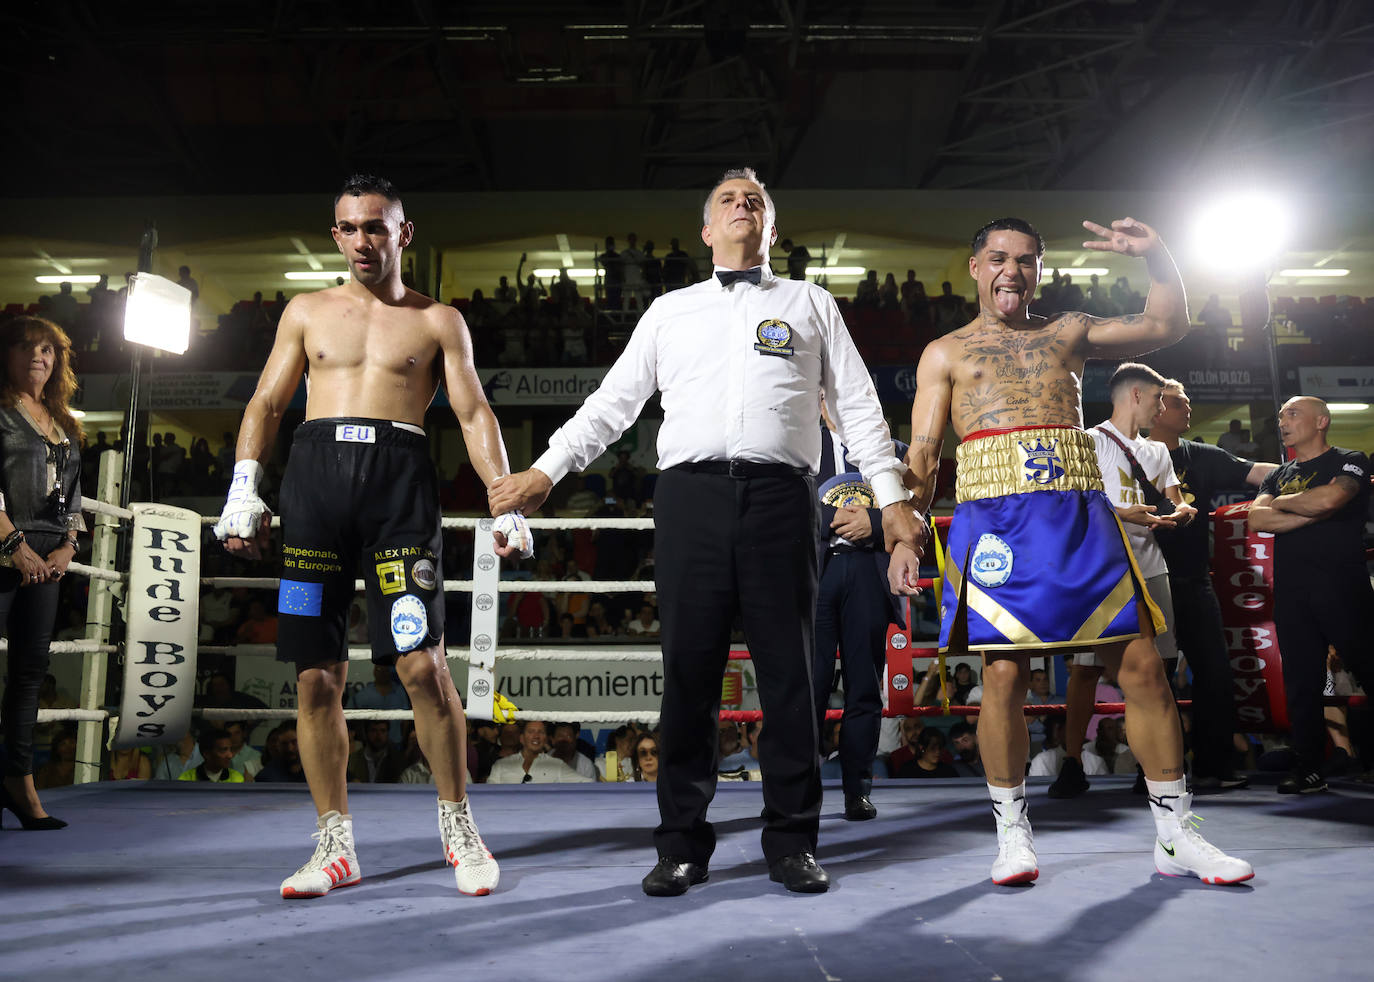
(1323, 271)
(840, 271)
(316, 274)
(1347, 407)
(158, 313)
(1257, 222)
(1080, 270)
(576, 274)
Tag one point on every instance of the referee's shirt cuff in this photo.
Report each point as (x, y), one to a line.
(887, 488)
(555, 463)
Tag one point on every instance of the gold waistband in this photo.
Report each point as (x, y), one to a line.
(1032, 459)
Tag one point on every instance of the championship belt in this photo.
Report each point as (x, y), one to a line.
(848, 490)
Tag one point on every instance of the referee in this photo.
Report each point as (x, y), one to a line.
(740, 360)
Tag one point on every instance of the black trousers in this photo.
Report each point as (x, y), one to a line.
(852, 611)
(1201, 637)
(27, 614)
(1314, 608)
(725, 546)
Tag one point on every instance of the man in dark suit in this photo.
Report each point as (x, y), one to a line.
(853, 610)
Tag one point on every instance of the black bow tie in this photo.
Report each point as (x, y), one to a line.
(728, 276)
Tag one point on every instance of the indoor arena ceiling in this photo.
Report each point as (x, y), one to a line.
(971, 102)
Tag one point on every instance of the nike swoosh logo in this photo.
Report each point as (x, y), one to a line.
(1168, 850)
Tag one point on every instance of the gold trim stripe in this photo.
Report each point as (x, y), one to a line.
(1101, 618)
(995, 614)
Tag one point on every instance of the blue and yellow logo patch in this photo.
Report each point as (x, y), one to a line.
(1042, 463)
(775, 337)
(297, 597)
(848, 490)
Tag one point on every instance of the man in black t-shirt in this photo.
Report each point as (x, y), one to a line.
(1203, 470)
(1316, 505)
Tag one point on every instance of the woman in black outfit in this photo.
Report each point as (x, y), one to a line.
(40, 514)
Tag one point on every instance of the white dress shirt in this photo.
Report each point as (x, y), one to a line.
(724, 399)
(1124, 490)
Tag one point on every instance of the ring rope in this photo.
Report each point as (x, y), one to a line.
(97, 507)
(97, 573)
(460, 586)
(73, 647)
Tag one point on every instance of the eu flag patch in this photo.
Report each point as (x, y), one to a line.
(296, 597)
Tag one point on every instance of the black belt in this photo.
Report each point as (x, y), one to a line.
(741, 469)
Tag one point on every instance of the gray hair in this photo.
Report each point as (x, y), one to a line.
(740, 174)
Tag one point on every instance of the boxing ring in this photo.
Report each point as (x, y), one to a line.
(155, 879)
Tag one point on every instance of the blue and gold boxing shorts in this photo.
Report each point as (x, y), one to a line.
(1036, 556)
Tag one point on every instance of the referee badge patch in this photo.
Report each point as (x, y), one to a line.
(848, 490)
(991, 562)
(409, 623)
(775, 337)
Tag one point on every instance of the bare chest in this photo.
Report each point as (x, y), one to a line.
(1016, 379)
(345, 340)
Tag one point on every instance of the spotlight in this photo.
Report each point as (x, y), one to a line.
(1238, 231)
(158, 313)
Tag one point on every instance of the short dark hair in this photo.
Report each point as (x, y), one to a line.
(211, 736)
(930, 737)
(1134, 373)
(960, 729)
(360, 184)
(980, 238)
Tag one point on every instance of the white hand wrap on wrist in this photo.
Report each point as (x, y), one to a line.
(243, 509)
(513, 526)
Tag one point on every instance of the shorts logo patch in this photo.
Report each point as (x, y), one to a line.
(409, 623)
(991, 562)
(296, 597)
(353, 433)
(423, 574)
(392, 576)
(1042, 463)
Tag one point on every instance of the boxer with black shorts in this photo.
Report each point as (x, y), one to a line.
(360, 488)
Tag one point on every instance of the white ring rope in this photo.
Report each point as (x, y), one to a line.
(97, 507)
(96, 573)
(468, 522)
(73, 647)
(566, 654)
(72, 715)
(229, 715)
(465, 586)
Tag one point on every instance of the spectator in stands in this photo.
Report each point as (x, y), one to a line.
(910, 729)
(221, 694)
(964, 681)
(727, 740)
(915, 303)
(130, 764)
(218, 752)
(1110, 745)
(60, 770)
(887, 294)
(1213, 315)
(798, 258)
(573, 335)
(198, 467)
(625, 477)
(564, 291)
(1234, 437)
(260, 626)
(418, 770)
(284, 762)
(170, 464)
(646, 624)
(646, 758)
(504, 293)
(632, 262)
(599, 622)
(612, 275)
(734, 755)
(927, 762)
(867, 293)
(563, 746)
(64, 308)
(378, 761)
(584, 501)
(246, 759)
(652, 268)
(531, 292)
(224, 458)
(677, 267)
(1070, 294)
(383, 692)
(532, 765)
(101, 288)
(173, 760)
(185, 282)
(963, 742)
(948, 309)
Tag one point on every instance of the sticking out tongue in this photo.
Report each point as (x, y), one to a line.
(1008, 301)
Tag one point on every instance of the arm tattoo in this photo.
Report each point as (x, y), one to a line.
(922, 438)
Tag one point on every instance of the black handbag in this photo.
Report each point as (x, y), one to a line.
(1153, 496)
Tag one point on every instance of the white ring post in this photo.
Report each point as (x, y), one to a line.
(486, 622)
(90, 735)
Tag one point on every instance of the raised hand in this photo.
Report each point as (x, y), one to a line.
(1126, 236)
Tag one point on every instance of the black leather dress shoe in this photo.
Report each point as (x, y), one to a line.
(800, 874)
(857, 808)
(672, 876)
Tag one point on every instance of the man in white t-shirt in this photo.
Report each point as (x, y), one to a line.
(1138, 476)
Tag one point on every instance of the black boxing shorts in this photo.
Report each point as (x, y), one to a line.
(359, 492)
